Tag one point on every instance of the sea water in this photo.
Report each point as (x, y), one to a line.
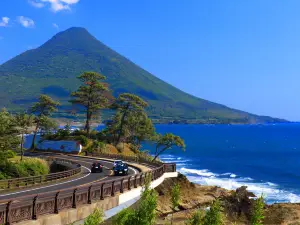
(265, 158)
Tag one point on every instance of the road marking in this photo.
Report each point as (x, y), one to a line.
(49, 185)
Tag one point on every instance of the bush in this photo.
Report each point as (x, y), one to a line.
(214, 215)
(10, 154)
(175, 196)
(145, 213)
(196, 218)
(25, 168)
(95, 218)
(258, 211)
(83, 140)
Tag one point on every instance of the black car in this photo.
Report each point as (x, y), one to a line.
(121, 169)
(96, 167)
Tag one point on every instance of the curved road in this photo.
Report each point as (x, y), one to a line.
(85, 178)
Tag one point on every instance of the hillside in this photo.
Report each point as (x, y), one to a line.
(53, 67)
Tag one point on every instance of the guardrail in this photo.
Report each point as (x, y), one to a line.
(137, 159)
(33, 180)
(33, 206)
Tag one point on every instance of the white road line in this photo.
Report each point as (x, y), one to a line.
(49, 185)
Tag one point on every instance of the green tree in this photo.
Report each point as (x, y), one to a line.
(167, 141)
(139, 128)
(47, 125)
(144, 214)
(126, 104)
(43, 108)
(257, 216)
(214, 216)
(8, 132)
(23, 122)
(92, 95)
(95, 218)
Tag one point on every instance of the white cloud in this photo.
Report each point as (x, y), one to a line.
(36, 3)
(55, 26)
(25, 22)
(55, 5)
(4, 22)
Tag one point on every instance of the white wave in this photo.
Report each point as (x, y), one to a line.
(268, 189)
(229, 174)
(204, 172)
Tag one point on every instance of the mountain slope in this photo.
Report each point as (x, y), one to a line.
(52, 69)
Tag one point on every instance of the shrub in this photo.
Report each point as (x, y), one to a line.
(214, 215)
(145, 212)
(10, 154)
(95, 218)
(83, 140)
(196, 218)
(257, 216)
(175, 196)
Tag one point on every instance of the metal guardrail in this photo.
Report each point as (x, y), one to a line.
(33, 180)
(33, 206)
(137, 159)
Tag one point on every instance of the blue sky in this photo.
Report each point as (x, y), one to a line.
(244, 54)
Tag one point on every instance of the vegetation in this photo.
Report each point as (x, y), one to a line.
(128, 106)
(144, 214)
(53, 67)
(167, 141)
(213, 216)
(8, 132)
(42, 109)
(26, 167)
(91, 95)
(196, 218)
(23, 121)
(95, 218)
(175, 196)
(257, 216)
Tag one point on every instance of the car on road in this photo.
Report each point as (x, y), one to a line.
(121, 169)
(117, 162)
(96, 167)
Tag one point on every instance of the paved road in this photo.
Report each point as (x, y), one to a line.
(85, 178)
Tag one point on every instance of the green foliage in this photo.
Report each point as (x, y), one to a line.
(167, 141)
(23, 121)
(214, 215)
(92, 95)
(47, 125)
(175, 196)
(144, 214)
(24, 168)
(83, 140)
(8, 132)
(257, 216)
(43, 109)
(196, 218)
(129, 107)
(125, 217)
(10, 154)
(95, 218)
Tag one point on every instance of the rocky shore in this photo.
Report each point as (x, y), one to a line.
(237, 205)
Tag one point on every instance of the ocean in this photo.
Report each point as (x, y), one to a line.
(265, 158)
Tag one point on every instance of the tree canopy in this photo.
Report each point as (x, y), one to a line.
(167, 141)
(43, 108)
(92, 95)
